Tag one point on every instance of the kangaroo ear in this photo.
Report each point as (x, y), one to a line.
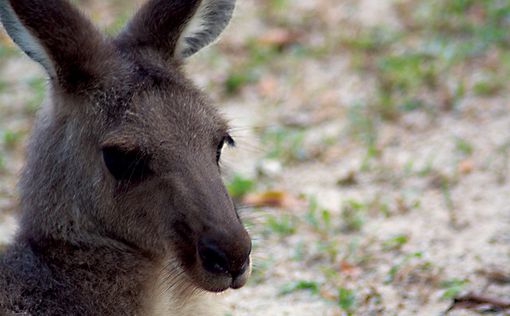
(56, 35)
(177, 29)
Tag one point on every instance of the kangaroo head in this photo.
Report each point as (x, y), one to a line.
(125, 151)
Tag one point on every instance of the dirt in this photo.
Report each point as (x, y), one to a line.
(452, 207)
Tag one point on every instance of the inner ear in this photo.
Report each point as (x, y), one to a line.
(176, 29)
(127, 165)
(205, 26)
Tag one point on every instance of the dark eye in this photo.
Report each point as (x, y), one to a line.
(126, 165)
(227, 139)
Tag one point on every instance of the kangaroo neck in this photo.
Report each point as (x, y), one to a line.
(103, 277)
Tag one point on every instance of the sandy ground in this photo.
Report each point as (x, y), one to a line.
(450, 209)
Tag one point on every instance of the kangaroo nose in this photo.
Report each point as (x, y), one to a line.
(215, 260)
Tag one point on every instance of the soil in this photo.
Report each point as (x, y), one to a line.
(434, 213)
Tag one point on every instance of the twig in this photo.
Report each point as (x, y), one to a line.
(471, 301)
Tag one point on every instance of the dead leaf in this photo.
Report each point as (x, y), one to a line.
(348, 268)
(271, 198)
(267, 86)
(277, 37)
(328, 294)
(402, 205)
(5, 39)
(348, 180)
(465, 166)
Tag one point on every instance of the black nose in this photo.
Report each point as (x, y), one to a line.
(215, 260)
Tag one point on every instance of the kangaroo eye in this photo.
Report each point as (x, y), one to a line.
(227, 139)
(126, 165)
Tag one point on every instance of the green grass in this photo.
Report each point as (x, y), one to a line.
(395, 242)
(278, 5)
(390, 277)
(452, 287)
(236, 80)
(6, 52)
(300, 285)
(248, 71)
(489, 85)
(11, 138)
(407, 72)
(463, 147)
(346, 300)
(317, 217)
(371, 40)
(363, 125)
(446, 52)
(3, 85)
(502, 158)
(284, 144)
(38, 89)
(410, 67)
(425, 66)
(238, 185)
(353, 215)
(446, 184)
(2, 161)
(282, 225)
(119, 22)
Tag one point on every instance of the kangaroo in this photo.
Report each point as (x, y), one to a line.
(123, 208)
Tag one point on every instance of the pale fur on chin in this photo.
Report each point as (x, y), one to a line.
(197, 304)
(173, 295)
(181, 298)
(204, 304)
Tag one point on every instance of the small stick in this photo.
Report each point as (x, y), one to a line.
(472, 300)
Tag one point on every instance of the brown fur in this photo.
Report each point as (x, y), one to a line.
(91, 243)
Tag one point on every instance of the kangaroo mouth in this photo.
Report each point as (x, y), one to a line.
(219, 281)
(219, 264)
(217, 259)
(206, 271)
(241, 280)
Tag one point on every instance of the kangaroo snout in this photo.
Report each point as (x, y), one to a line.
(224, 255)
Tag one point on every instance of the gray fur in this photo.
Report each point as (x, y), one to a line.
(91, 241)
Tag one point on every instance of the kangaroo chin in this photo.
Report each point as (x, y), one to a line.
(174, 294)
(123, 207)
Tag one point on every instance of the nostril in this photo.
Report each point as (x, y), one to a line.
(213, 258)
(242, 269)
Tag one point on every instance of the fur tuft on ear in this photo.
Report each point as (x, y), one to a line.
(56, 35)
(176, 29)
(206, 25)
(23, 38)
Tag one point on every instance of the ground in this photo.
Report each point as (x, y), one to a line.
(372, 164)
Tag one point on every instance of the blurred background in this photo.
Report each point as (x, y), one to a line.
(373, 157)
